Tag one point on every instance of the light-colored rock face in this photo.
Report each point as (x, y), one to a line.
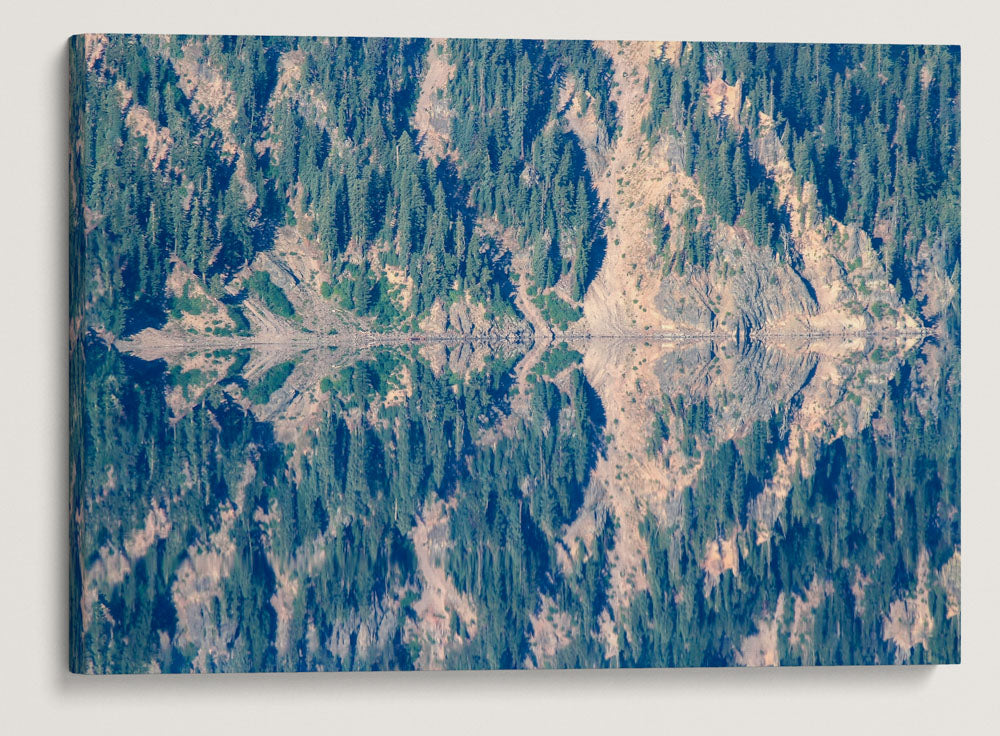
(630, 178)
(439, 603)
(761, 648)
(159, 140)
(433, 116)
(746, 292)
(849, 280)
(909, 621)
(830, 281)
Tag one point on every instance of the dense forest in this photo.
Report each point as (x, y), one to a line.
(201, 150)
(352, 172)
(874, 128)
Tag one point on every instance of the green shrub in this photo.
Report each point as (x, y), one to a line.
(556, 359)
(239, 319)
(260, 392)
(271, 294)
(557, 311)
(187, 304)
(187, 380)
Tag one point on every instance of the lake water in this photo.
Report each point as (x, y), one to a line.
(598, 503)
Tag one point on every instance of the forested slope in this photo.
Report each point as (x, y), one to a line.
(405, 184)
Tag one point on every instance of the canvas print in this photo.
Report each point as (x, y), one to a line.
(404, 354)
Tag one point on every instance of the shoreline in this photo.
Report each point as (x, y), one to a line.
(174, 343)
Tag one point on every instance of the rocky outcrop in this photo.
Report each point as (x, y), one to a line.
(744, 382)
(831, 278)
(746, 290)
(469, 320)
(433, 116)
(584, 124)
(846, 275)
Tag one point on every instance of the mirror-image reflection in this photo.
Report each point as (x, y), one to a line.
(579, 503)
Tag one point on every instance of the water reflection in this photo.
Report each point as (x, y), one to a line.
(459, 505)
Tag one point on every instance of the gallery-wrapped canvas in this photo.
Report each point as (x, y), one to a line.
(394, 354)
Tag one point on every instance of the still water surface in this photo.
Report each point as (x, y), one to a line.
(594, 504)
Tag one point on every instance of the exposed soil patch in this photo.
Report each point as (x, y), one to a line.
(213, 99)
(202, 620)
(210, 92)
(159, 140)
(438, 597)
(433, 116)
(950, 577)
(721, 555)
(94, 45)
(551, 631)
(909, 621)
(724, 99)
(91, 219)
(761, 649)
(804, 617)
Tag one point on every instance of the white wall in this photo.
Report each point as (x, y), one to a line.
(37, 694)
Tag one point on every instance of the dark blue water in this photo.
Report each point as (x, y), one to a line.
(473, 506)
